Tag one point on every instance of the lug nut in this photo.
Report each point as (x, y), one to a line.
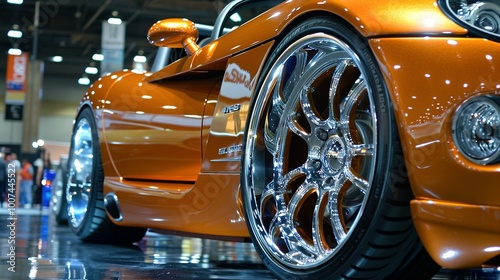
(328, 181)
(321, 134)
(315, 164)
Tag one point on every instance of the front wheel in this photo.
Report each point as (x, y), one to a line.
(324, 191)
(84, 188)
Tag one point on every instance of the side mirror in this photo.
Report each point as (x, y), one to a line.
(174, 33)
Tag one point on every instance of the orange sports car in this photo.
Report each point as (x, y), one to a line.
(345, 139)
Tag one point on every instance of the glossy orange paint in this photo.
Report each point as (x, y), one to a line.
(185, 176)
(456, 208)
(370, 18)
(457, 235)
(94, 98)
(210, 205)
(152, 130)
(224, 142)
(427, 88)
(209, 208)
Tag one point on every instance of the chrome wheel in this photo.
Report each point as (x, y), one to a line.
(87, 216)
(57, 191)
(58, 196)
(310, 152)
(79, 183)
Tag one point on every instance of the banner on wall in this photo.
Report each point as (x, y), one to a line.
(113, 45)
(16, 86)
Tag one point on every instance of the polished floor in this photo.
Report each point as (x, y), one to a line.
(44, 250)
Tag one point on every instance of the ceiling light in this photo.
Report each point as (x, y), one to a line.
(114, 20)
(84, 81)
(15, 34)
(56, 58)
(140, 59)
(18, 2)
(15, 51)
(98, 57)
(91, 70)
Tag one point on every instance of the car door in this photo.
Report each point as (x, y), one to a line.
(153, 129)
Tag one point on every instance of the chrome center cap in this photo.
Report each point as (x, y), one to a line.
(334, 154)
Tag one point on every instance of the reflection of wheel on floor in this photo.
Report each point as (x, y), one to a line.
(84, 188)
(59, 205)
(324, 192)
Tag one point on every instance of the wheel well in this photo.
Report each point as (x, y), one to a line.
(80, 109)
(313, 14)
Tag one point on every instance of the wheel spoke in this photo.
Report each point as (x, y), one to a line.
(293, 78)
(348, 104)
(282, 89)
(275, 114)
(318, 232)
(322, 63)
(277, 223)
(283, 181)
(295, 127)
(299, 196)
(334, 205)
(334, 87)
(267, 193)
(297, 201)
(310, 115)
(359, 182)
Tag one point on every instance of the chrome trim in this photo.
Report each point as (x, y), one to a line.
(229, 9)
(161, 58)
(114, 198)
(216, 32)
(230, 149)
(232, 159)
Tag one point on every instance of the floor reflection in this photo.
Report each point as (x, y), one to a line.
(44, 250)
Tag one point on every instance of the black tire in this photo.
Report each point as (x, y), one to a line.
(59, 205)
(84, 188)
(324, 189)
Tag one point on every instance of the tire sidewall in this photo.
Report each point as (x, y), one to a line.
(61, 213)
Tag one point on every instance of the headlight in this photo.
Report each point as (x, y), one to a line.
(479, 17)
(476, 129)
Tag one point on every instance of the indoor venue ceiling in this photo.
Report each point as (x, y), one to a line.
(72, 28)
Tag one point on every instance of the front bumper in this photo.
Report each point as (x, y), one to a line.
(458, 235)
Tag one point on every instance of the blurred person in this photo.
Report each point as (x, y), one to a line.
(26, 193)
(12, 158)
(41, 164)
(37, 183)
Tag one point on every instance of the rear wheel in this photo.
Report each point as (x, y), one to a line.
(324, 190)
(58, 196)
(84, 188)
